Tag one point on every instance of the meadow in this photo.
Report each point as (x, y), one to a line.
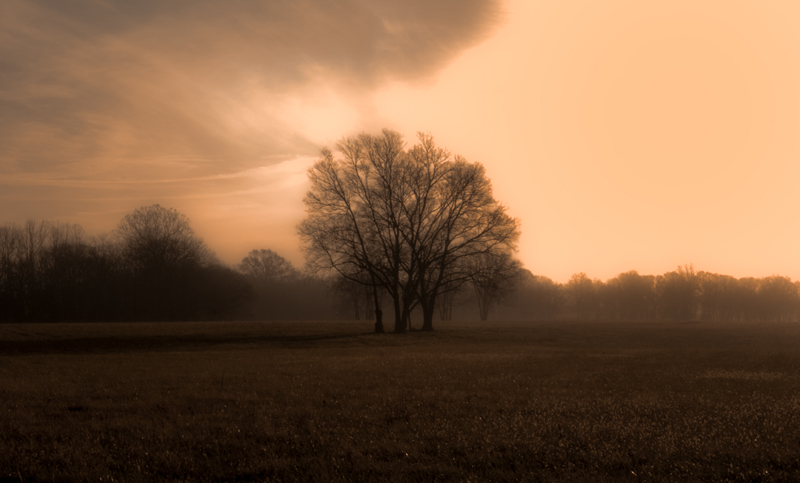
(322, 401)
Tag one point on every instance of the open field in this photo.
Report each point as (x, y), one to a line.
(553, 401)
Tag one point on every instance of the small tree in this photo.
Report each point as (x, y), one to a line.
(157, 239)
(493, 277)
(163, 255)
(446, 300)
(268, 266)
(354, 298)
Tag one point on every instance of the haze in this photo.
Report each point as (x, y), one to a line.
(623, 134)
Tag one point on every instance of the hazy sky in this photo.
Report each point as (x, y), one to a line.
(623, 134)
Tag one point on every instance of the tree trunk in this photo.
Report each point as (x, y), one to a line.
(445, 305)
(378, 312)
(484, 312)
(399, 320)
(483, 303)
(406, 316)
(427, 315)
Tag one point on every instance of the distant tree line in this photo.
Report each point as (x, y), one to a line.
(682, 294)
(415, 230)
(679, 295)
(152, 267)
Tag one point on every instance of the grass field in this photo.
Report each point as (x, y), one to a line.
(549, 401)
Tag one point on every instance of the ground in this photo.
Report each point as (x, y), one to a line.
(489, 401)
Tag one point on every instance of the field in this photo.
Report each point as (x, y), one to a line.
(317, 401)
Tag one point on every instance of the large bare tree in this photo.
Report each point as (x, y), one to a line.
(409, 220)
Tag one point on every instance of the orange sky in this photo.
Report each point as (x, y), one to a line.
(623, 134)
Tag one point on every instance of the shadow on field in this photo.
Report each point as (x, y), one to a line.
(106, 345)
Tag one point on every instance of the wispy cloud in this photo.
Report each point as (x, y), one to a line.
(293, 167)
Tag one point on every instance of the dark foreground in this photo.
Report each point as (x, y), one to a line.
(550, 401)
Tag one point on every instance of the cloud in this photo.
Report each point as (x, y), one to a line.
(104, 87)
(259, 173)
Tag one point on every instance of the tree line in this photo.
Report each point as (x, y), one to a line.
(415, 230)
(679, 295)
(683, 294)
(152, 267)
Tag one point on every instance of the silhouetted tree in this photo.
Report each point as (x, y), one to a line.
(447, 299)
(268, 266)
(162, 253)
(457, 225)
(155, 238)
(282, 292)
(407, 219)
(11, 279)
(354, 298)
(493, 277)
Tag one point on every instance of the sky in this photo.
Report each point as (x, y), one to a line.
(624, 135)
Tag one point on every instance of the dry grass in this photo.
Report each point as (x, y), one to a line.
(550, 401)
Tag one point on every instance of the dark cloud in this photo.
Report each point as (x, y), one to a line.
(99, 87)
